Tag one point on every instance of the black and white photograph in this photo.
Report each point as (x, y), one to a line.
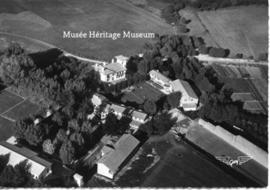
(134, 94)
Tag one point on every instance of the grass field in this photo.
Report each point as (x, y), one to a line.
(6, 128)
(55, 16)
(8, 100)
(141, 93)
(23, 110)
(242, 29)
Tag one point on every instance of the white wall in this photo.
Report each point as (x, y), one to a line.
(104, 170)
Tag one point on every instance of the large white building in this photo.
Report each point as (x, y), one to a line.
(112, 72)
(189, 100)
(163, 82)
(114, 158)
(38, 166)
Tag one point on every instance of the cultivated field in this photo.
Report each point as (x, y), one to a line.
(141, 93)
(46, 21)
(242, 29)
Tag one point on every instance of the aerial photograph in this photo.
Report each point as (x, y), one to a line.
(134, 93)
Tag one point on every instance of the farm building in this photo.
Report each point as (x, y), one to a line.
(161, 80)
(113, 160)
(189, 99)
(39, 167)
(114, 71)
(138, 118)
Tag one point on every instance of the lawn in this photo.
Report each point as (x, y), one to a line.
(7, 100)
(141, 93)
(46, 21)
(242, 29)
(22, 110)
(6, 128)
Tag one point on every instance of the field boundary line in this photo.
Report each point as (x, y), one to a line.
(8, 90)
(11, 108)
(8, 118)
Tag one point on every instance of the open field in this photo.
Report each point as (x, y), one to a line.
(8, 100)
(55, 16)
(141, 93)
(242, 29)
(6, 128)
(23, 110)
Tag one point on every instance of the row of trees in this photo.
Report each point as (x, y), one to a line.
(58, 81)
(213, 4)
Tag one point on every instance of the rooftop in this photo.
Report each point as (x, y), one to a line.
(184, 87)
(117, 108)
(123, 148)
(113, 68)
(139, 115)
(159, 76)
(19, 154)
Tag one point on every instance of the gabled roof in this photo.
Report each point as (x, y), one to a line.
(139, 115)
(113, 68)
(159, 76)
(183, 87)
(121, 57)
(19, 154)
(117, 108)
(123, 148)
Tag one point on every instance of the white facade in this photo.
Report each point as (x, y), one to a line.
(161, 80)
(104, 171)
(114, 71)
(189, 99)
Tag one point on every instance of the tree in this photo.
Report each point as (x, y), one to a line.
(150, 107)
(34, 135)
(67, 152)
(174, 99)
(18, 176)
(77, 138)
(21, 127)
(74, 125)
(3, 161)
(111, 124)
(48, 146)
(61, 135)
(162, 123)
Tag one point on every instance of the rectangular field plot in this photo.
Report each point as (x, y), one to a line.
(6, 128)
(142, 92)
(7, 100)
(22, 110)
